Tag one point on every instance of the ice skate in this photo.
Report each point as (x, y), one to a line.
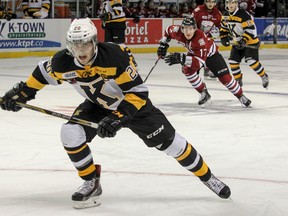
(265, 81)
(218, 187)
(204, 98)
(244, 101)
(208, 73)
(88, 194)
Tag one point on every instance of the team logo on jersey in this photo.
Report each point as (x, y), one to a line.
(87, 73)
(201, 41)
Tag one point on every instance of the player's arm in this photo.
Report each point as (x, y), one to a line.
(196, 61)
(224, 32)
(164, 41)
(135, 97)
(26, 91)
(134, 90)
(249, 28)
(21, 92)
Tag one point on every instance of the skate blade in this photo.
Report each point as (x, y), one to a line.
(208, 103)
(91, 202)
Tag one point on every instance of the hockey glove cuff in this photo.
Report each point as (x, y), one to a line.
(21, 93)
(112, 123)
(175, 58)
(162, 50)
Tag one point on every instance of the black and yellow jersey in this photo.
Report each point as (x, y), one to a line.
(112, 81)
(31, 6)
(115, 8)
(4, 11)
(239, 24)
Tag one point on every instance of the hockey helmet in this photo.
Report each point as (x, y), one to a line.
(228, 1)
(189, 21)
(81, 31)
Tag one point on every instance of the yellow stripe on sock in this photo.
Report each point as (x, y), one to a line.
(202, 171)
(78, 150)
(87, 171)
(186, 153)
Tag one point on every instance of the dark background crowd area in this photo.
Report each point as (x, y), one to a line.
(164, 9)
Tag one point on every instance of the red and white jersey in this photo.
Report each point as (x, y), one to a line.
(199, 47)
(206, 20)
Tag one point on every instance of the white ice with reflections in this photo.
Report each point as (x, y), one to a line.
(246, 147)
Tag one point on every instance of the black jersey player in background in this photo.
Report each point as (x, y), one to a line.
(239, 24)
(113, 21)
(115, 97)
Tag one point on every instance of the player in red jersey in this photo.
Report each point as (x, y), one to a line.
(208, 19)
(201, 50)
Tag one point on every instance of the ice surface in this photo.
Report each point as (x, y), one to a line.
(246, 147)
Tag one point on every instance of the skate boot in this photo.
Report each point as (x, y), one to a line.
(218, 187)
(239, 80)
(265, 81)
(88, 194)
(244, 101)
(204, 97)
(208, 73)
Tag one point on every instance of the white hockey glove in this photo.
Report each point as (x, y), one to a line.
(43, 13)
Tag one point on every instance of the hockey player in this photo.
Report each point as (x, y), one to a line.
(239, 25)
(114, 23)
(201, 50)
(208, 19)
(38, 9)
(5, 11)
(115, 97)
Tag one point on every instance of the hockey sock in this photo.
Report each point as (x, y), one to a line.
(82, 159)
(196, 81)
(258, 68)
(231, 84)
(192, 161)
(235, 69)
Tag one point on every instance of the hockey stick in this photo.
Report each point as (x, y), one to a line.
(152, 69)
(56, 114)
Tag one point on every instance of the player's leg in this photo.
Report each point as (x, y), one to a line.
(234, 63)
(118, 31)
(74, 138)
(197, 83)
(208, 73)
(108, 36)
(156, 131)
(221, 71)
(252, 58)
